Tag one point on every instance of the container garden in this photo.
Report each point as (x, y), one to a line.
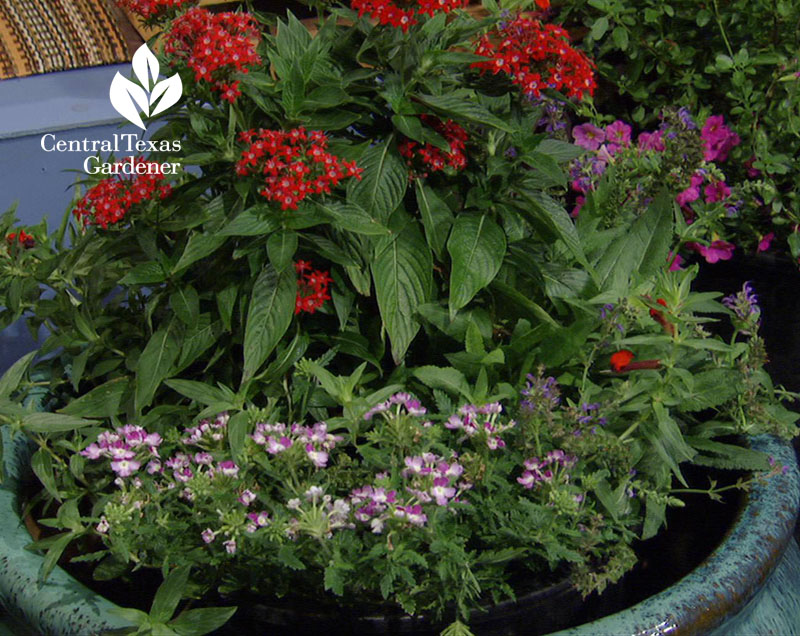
(749, 585)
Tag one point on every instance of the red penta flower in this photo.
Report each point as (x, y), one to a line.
(293, 164)
(387, 12)
(621, 359)
(426, 158)
(312, 288)
(215, 46)
(110, 200)
(20, 238)
(154, 8)
(536, 56)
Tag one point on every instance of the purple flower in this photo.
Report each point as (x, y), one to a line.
(103, 526)
(92, 451)
(441, 491)
(230, 546)
(228, 468)
(260, 519)
(588, 136)
(744, 303)
(718, 139)
(318, 458)
(619, 134)
(125, 467)
(275, 446)
(247, 497)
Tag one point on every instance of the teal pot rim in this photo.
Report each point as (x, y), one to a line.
(716, 590)
(733, 574)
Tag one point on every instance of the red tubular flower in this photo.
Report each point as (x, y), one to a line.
(110, 200)
(312, 288)
(536, 56)
(215, 47)
(426, 158)
(20, 238)
(622, 361)
(659, 317)
(293, 164)
(153, 8)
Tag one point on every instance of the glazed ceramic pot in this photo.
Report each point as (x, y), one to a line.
(749, 585)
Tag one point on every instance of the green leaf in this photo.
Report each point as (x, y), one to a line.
(199, 391)
(403, 273)
(620, 36)
(42, 465)
(13, 376)
(436, 217)
(53, 423)
(54, 553)
(383, 182)
(560, 151)
(133, 616)
(268, 316)
(477, 246)
(154, 365)
(287, 556)
(185, 302)
(238, 428)
(203, 620)
(102, 401)
(169, 594)
(334, 579)
(599, 28)
(281, 247)
(548, 211)
(226, 300)
(353, 219)
(529, 307)
(547, 166)
(145, 274)
(464, 107)
(641, 251)
(251, 222)
(199, 246)
(446, 378)
(655, 514)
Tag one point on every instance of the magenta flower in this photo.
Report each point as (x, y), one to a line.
(618, 134)
(260, 519)
(717, 251)
(92, 451)
(247, 497)
(675, 263)
(580, 200)
(718, 139)
(651, 141)
(588, 136)
(765, 242)
(716, 191)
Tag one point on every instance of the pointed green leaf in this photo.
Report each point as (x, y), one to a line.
(281, 247)
(462, 107)
(13, 376)
(203, 620)
(403, 275)
(102, 401)
(268, 316)
(640, 251)
(185, 302)
(383, 182)
(477, 246)
(557, 219)
(52, 423)
(154, 365)
(436, 217)
(199, 246)
(169, 594)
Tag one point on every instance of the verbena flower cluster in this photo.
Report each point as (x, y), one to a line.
(293, 164)
(216, 46)
(425, 158)
(536, 56)
(109, 201)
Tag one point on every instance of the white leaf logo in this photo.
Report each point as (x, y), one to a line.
(130, 99)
